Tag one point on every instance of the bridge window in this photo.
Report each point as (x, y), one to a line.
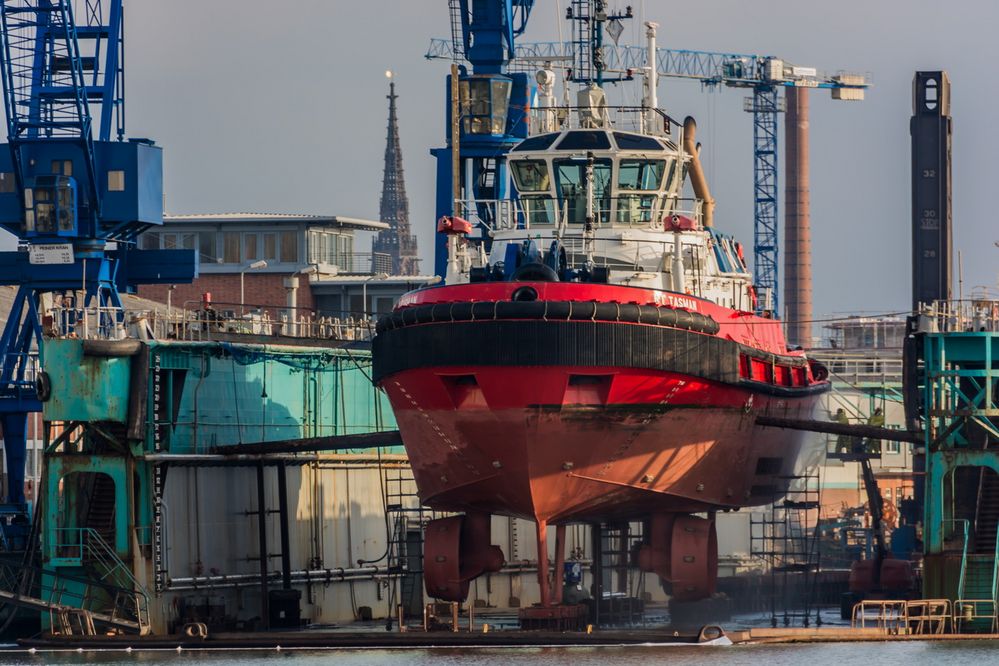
(484, 105)
(572, 189)
(540, 142)
(636, 142)
(531, 175)
(585, 140)
(641, 174)
(539, 210)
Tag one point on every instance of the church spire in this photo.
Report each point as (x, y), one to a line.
(397, 242)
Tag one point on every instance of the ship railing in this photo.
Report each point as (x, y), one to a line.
(642, 210)
(640, 256)
(106, 322)
(641, 119)
(980, 313)
(861, 367)
(20, 370)
(214, 321)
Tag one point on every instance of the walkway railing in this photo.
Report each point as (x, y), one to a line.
(79, 546)
(869, 367)
(954, 524)
(961, 316)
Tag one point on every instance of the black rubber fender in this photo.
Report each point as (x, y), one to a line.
(43, 386)
(535, 272)
(111, 348)
(550, 310)
(819, 371)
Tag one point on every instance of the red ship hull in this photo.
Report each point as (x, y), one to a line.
(563, 402)
(524, 442)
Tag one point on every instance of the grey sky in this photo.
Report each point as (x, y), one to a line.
(284, 110)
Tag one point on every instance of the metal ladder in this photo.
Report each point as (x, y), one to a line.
(407, 518)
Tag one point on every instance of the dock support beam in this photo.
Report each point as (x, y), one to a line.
(559, 562)
(262, 536)
(597, 569)
(543, 582)
(283, 517)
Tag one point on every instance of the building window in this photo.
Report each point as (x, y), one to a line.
(333, 249)
(179, 241)
(7, 183)
(150, 241)
(269, 249)
(260, 246)
(317, 247)
(116, 181)
(207, 247)
(250, 247)
(230, 246)
(345, 249)
(894, 447)
(289, 247)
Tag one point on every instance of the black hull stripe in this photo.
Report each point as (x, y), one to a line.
(564, 343)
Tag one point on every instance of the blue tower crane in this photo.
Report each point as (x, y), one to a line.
(75, 202)
(764, 75)
(493, 105)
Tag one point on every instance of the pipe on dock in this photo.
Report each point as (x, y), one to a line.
(219, 460)
(696, 172)
(848, 429)
(323, 576)
(335, 575)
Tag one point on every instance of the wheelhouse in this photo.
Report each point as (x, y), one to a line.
(617, 178)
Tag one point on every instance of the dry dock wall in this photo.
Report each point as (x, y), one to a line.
(337, 520)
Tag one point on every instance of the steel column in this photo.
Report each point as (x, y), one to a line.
(765, 240)
(262, 541)
(283, 518)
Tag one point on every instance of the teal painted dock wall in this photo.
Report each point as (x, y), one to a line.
(230, 395)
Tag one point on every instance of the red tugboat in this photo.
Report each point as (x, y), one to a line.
(602, 360)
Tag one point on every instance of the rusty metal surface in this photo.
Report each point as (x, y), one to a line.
(441, 559)
(85, 388)
(456, 549)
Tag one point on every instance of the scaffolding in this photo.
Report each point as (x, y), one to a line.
(618, 585)
(785, 536)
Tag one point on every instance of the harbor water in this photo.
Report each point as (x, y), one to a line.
(910, 653)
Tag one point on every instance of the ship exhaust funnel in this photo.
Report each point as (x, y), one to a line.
(696, 172)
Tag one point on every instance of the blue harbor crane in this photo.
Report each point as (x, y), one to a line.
(493, 105)
(765, 76)
(75, 198)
